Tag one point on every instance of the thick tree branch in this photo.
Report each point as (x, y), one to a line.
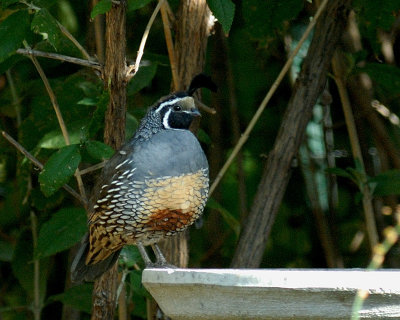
(104, 292)
(307, 89)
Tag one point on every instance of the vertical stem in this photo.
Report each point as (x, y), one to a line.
(37, 308)
(356, 149)
(99, 34)
(14, 95)
(170, 44)
(114, 77)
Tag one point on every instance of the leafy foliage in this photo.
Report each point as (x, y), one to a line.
(264, 17)
(101, 7)
(59, 169)
(78, 297)
(65, 228)
(13, 30)
(224, 11)
(39, 221)
(44, 23)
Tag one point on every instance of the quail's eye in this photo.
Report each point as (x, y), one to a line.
(177, 108)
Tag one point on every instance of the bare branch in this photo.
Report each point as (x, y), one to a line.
(38, 164)
(268, 97)
(204, 107)
(59, 116)
(93, 168)
(74, 41)
(170, 43)
(135, 67)
(56, 56)
(37, 306)
(356, 149)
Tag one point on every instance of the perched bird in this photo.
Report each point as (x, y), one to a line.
(153, 187)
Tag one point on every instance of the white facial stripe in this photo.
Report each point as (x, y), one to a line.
(165, 120)
(167, 103)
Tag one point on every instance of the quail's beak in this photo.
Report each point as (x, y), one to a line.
(195, 112)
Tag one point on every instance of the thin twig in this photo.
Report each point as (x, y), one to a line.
(170, 44)
(204, 107)
(356, 150)
(36, 308)
(56, 56)
(38, 164)
(14, 97)
(264, 103)
(74, 41)
(93, 168)
(135, 67)
(60, 118)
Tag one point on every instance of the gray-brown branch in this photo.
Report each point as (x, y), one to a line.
(104, 292)
(60, 57)
(307, 89)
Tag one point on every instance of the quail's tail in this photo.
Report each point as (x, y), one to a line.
(81, 272)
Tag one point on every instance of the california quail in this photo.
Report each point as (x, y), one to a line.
(155, 186)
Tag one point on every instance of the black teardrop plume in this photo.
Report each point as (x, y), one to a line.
(201, 81)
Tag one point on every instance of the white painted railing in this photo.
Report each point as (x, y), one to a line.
(272, 294)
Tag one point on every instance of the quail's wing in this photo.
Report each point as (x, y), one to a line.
(111, 185)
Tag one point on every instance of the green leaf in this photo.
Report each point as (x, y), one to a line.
(42, 203)
(386, 77)
(6, 3)
(142, 79)
(6, 251)
(59, 169)
(137, 4)
(129, 256)
(65, 228)
(13, 30)
(44, 23)
(340, 172)
(375, 15)
(203, 137)
(263, 17)
(130, 126)
(10, 62)
(99, 150)
(224, 11)
(23, 266)
(55, 139)
(386, 183)
(44, 3)
(226, 215)
(78, 297)
(101, 7)
(139, 293)
(97, 121)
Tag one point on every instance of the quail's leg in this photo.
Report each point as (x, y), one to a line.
(144, 254)
(160, 259)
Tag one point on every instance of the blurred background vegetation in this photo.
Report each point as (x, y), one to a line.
(40, 222)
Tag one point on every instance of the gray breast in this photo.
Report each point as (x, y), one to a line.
(168, 153)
